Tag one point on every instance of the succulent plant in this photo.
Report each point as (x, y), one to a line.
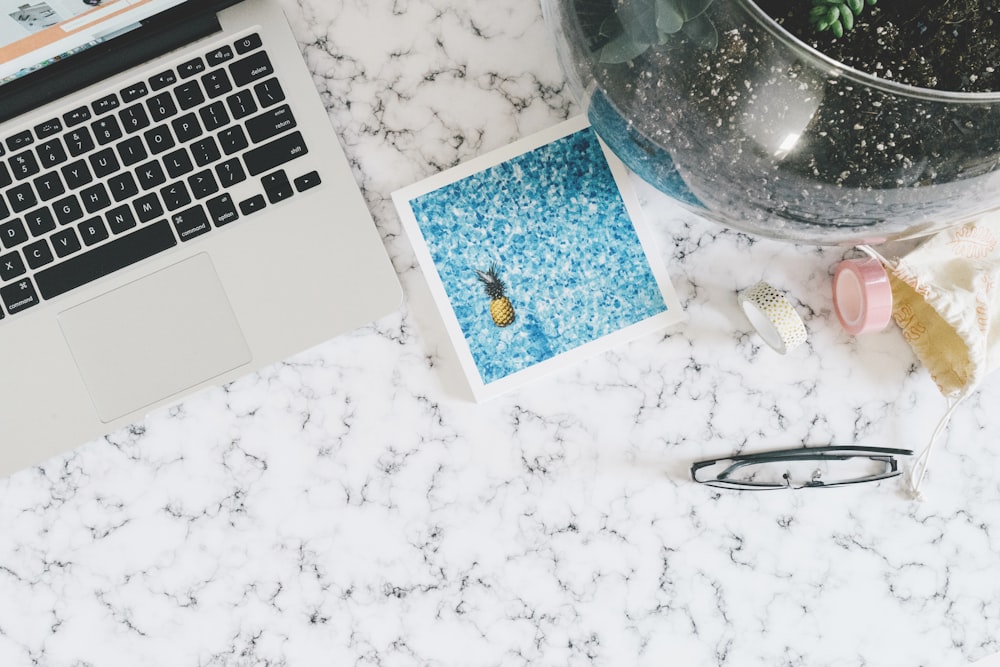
(637, 25)
(836, 16)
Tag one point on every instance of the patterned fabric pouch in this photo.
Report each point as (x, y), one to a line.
(946, 294)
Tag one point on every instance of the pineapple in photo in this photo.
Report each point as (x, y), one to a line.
(501, 308)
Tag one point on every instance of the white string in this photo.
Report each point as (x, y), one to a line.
(919, 470)
(874, 254)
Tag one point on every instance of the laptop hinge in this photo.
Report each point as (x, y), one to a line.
(105, 60)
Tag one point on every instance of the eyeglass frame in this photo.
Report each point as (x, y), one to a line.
(886, 455)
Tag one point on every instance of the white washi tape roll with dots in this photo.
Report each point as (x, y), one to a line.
(773, 316)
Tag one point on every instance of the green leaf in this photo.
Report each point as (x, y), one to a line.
(837, 28)
(692, 9)
(846, 17)
(611, 27)
(702, 32)
(621, 49)
(638, 17)
(668, 19)
(856, 6)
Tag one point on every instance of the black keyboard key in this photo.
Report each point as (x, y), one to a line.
(307, 181)
(106, 129)
(162, 80)
(40, 221)
(76, 116)
(270, 123)
(277, 187)
(77, 174)
(214, 116)
(79, 141)
(233, 139)
(105, 259)
(105, 104)
(189, 94)
(4, 211)
(273, 155)
(38, 254)
(269, 93)
(219, 56)
(49, 186)
(190, 68)
(221, 210)
(241, 104)
(51, 154)
(177, 163)
(66, 242)
(123, 186)
(148, 207)
(159, 139)
(24, 165)
(20, 140)
(186, 127)
(175, 196)
(92, 231)
(95, 198)
(132, 151)
(150, 175)
(21, 198)
(248, 43)
(19, 296)
(11, 266)
(13, 234)
(104, 163)
(203, 184)
(253, 204)
(161, 107)
(5, 177)
(205, 151)
(134, 92)
(68, 210)
(120, 219)
(230, 172)
(134, 118)
(249, 69)
(48, 128)
(191, 222)
(216, 83)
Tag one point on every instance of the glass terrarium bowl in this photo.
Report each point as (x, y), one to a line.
(747, 125)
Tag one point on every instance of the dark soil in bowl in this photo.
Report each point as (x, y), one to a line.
(768, 142)
(941, 44)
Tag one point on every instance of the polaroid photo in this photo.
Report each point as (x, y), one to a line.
(536, 257)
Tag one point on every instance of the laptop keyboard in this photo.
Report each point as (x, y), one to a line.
(137, 172)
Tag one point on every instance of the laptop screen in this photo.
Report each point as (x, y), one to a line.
(38, 33)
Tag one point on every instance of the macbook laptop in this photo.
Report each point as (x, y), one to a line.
(175, 211)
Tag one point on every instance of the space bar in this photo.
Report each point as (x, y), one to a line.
(106, 259)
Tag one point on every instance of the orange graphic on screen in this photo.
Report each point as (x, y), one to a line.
(38, 18)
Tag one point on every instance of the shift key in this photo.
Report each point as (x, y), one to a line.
(278, 152)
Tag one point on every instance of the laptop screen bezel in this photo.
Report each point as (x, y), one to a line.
(155, 36)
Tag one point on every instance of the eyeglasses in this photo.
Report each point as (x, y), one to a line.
(800, 468)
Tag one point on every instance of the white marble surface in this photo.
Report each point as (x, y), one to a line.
(352, 506)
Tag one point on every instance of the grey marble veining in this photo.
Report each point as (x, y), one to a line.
(352, 506)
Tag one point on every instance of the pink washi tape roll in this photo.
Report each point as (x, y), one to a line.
(862, 296)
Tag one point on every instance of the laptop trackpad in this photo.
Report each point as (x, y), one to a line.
(154, 337)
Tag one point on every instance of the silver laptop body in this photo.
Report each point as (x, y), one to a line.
(242, 272)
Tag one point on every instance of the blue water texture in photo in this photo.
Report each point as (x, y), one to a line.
(554, 224)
